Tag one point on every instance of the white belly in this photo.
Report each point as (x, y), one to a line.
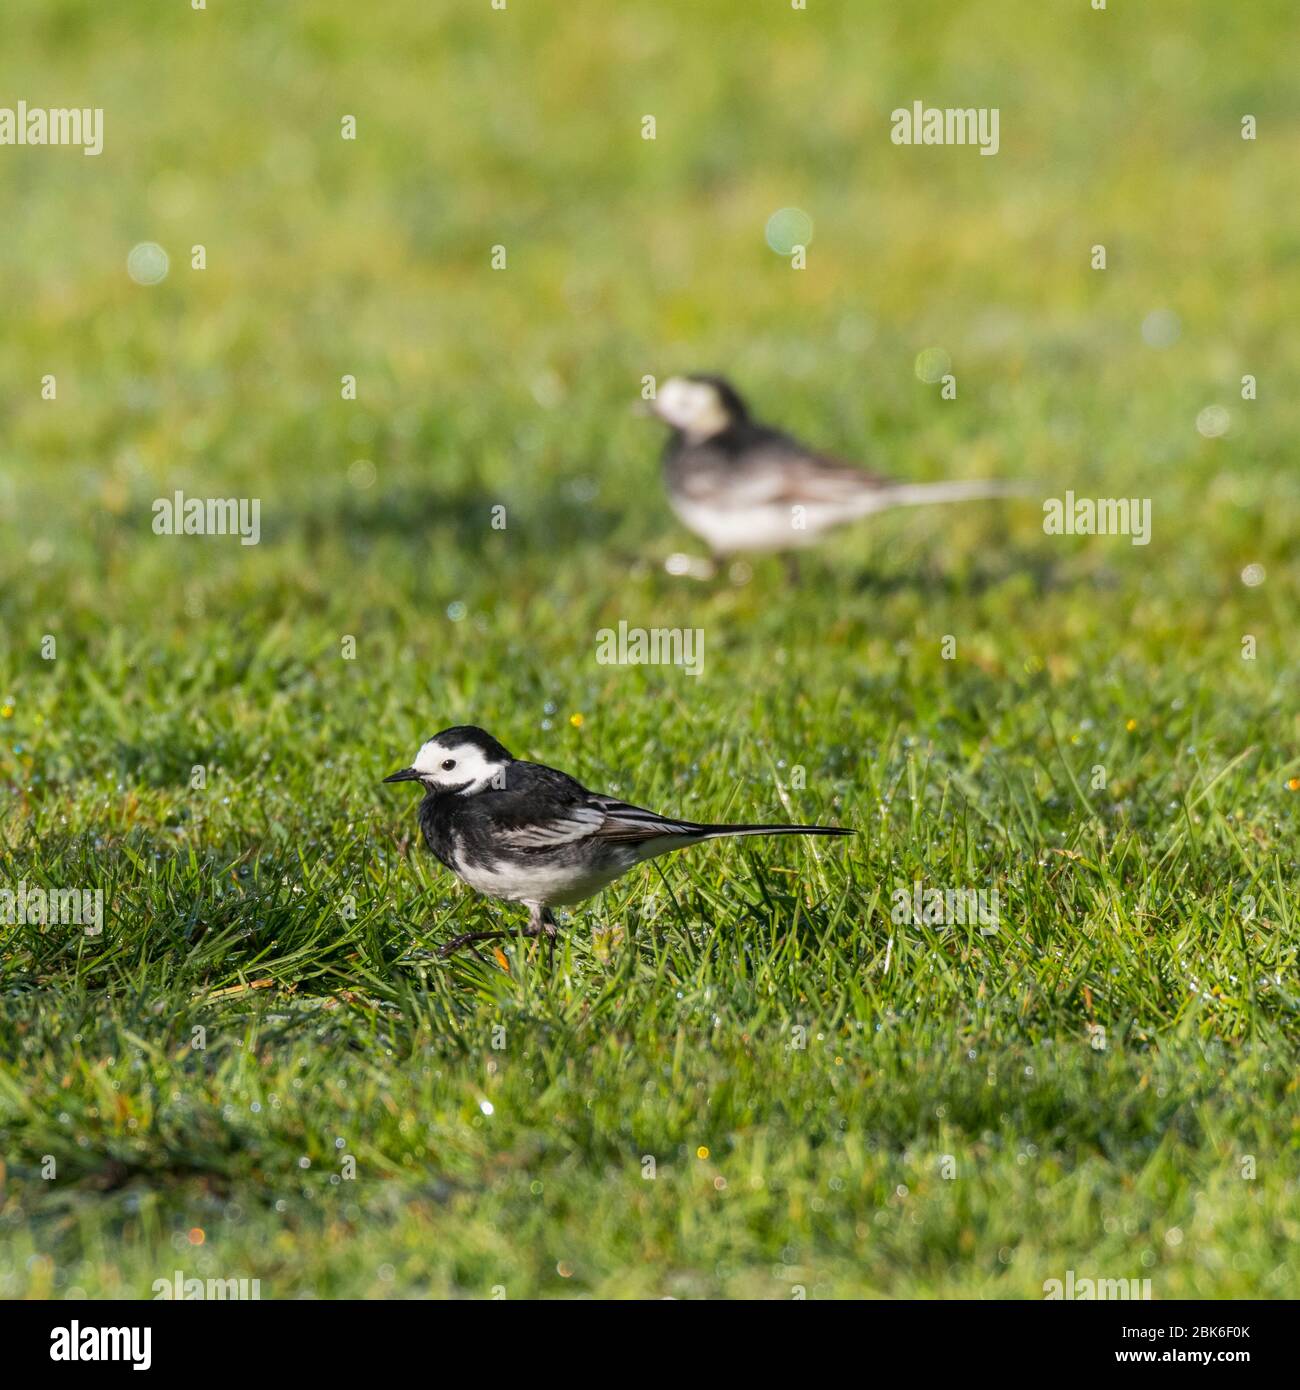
(548, 884)
(767, 527)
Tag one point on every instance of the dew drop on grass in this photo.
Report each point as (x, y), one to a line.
(148, 263)
(1161, 328)
(788, 228)
(931, 365)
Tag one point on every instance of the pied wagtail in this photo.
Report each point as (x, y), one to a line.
(530, 834)
(743, 486)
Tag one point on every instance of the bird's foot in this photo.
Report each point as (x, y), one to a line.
(540, 923)
(467, 939)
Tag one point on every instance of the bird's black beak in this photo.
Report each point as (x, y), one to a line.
(407, 774)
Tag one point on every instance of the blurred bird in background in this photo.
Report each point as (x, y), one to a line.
(742, 486)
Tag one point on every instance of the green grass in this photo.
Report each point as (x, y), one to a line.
(798, 1065)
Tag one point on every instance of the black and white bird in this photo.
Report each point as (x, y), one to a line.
(527, 833)
(743, 486)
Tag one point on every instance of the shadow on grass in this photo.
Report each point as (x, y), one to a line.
(985, 572)
(422, 517)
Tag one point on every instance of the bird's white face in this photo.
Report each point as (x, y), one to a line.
(694, 407)
(463, 766)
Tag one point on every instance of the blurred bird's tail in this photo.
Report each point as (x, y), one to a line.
(922, 494)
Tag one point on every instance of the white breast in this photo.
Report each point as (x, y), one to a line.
(769, 526)
(555, 884)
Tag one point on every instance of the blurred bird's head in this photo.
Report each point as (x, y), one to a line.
(462, 759)
(698, 407)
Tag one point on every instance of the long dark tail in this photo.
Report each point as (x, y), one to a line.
(682, 833)
(713, 832)
(927, 494)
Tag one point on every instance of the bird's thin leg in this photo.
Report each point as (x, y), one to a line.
(467, 939)
(541, 923)
(791, 567)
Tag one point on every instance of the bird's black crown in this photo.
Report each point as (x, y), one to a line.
(480, 738)
(736, 408)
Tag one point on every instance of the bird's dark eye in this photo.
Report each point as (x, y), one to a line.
(449, 764)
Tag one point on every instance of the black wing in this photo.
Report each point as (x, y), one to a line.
(541, 808)
(761, 467)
